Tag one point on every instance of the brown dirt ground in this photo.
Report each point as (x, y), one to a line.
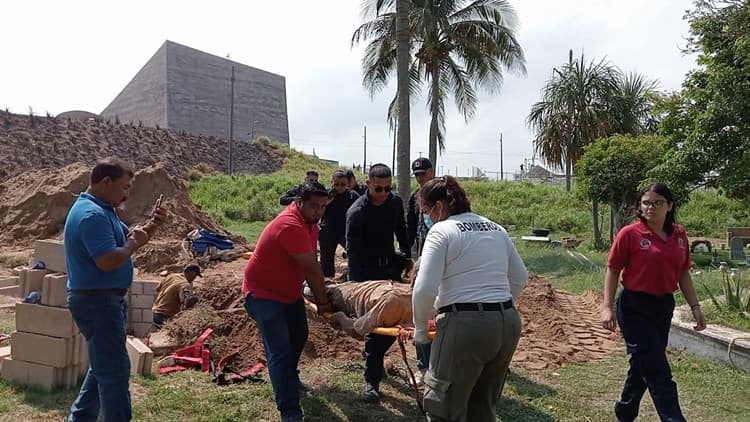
(559, 328)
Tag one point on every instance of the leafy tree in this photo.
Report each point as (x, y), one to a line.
(457, 46)
(708, 123)
(612, 170)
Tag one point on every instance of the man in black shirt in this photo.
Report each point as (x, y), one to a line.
(293, 193)
(360, 188)
(371, 223)
(423, 171)
(333, 223)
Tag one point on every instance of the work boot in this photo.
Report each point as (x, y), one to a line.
(371, 394)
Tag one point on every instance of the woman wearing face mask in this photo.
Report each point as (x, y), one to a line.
(652, 258)
(470, 272)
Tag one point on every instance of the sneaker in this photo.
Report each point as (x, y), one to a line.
(419, 377)
(371, 394)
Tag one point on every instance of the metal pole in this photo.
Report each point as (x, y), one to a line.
(502, 177)
(393, 164)
(364, 160)
(231, 124)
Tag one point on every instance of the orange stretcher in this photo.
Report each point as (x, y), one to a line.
(386, 331)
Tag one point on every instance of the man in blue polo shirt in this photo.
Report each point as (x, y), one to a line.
(98, 250)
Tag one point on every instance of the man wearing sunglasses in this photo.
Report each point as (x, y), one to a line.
(333, 223)
(371, 223)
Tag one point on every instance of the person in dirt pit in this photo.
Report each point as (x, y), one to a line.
(333, 223)
(360, 188)
(98, 250)
(175, 294)
(651, 257)
(310, 177)
(470, 272)
(284, 258)
(423, 171)
(371, 223)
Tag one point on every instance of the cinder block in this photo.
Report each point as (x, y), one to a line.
(147, 315)
(141, 357)
(4, 352)
(149, 286)
(140, 329)
(18, 270)
(136, 288)
(9, 281)
(45, 320)
(44, 350)
(141, 301)
(14, 291)
(52, 252)
(55, 290)
(27, 373)
(33, 281)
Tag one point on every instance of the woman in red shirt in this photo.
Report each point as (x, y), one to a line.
(652, 258)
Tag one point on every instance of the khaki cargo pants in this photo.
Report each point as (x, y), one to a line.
(470, 357)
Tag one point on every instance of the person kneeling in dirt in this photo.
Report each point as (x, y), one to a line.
(175, 294)
(272, 288)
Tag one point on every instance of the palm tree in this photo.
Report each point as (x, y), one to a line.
(403, 126)
(574, 111)
(457, 46)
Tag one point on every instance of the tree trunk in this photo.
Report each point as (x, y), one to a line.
(567, 174)
(611, 223)
(595, 219)
(402, 75)
(434, 114)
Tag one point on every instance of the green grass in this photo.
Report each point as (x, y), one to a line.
(708, 392)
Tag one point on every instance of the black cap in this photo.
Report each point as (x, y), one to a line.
(420, 165)
(193, 267)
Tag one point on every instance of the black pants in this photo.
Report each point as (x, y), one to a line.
(328, 242)
(376, 345)
(644, 320)
(390, 269)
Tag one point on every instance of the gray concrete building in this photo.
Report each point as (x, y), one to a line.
(182, 88)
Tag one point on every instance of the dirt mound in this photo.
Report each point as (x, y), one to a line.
(34, 205)
(35, 142)
(560, 328)
(221, 309)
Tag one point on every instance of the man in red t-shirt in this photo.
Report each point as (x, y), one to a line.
(284, 258)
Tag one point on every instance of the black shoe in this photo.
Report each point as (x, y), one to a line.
(371, 394)
(304, 388)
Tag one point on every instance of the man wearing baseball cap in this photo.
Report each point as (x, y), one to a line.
(174, 294)
(423, 171)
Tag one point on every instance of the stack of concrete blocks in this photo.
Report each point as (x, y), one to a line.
(141, 357)
(9, 285)
(47, 350)
(141, 298)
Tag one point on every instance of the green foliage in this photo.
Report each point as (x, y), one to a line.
(457, 47)
(735, 289)
(710, 212)
(612, 170)
(708, 122)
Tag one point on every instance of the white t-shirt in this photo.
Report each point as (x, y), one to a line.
(466, 259)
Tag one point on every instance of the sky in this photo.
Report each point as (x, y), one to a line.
(78, 55)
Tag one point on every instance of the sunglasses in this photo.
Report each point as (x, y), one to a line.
(380, 189)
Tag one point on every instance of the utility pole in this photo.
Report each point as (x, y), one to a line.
(231, 124)
(364, 160)
(502, 177)
(393, 163)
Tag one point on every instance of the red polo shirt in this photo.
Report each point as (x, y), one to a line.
(648, 263)
(271, 272)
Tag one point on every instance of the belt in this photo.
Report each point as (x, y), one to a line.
(457, 307)
(100, 292)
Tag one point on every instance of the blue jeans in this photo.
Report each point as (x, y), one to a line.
(101, 320)
(160, 319)
(423, 354)
(644, 320)
(283, 328)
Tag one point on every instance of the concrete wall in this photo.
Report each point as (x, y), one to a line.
(182, 88)
(144, 98)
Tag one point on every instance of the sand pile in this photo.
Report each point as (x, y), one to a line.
(221, 309)
(34, 205)
(560, 328)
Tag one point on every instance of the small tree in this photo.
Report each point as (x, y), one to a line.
(612, 169)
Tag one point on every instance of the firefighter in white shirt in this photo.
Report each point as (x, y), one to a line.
(471, 273)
